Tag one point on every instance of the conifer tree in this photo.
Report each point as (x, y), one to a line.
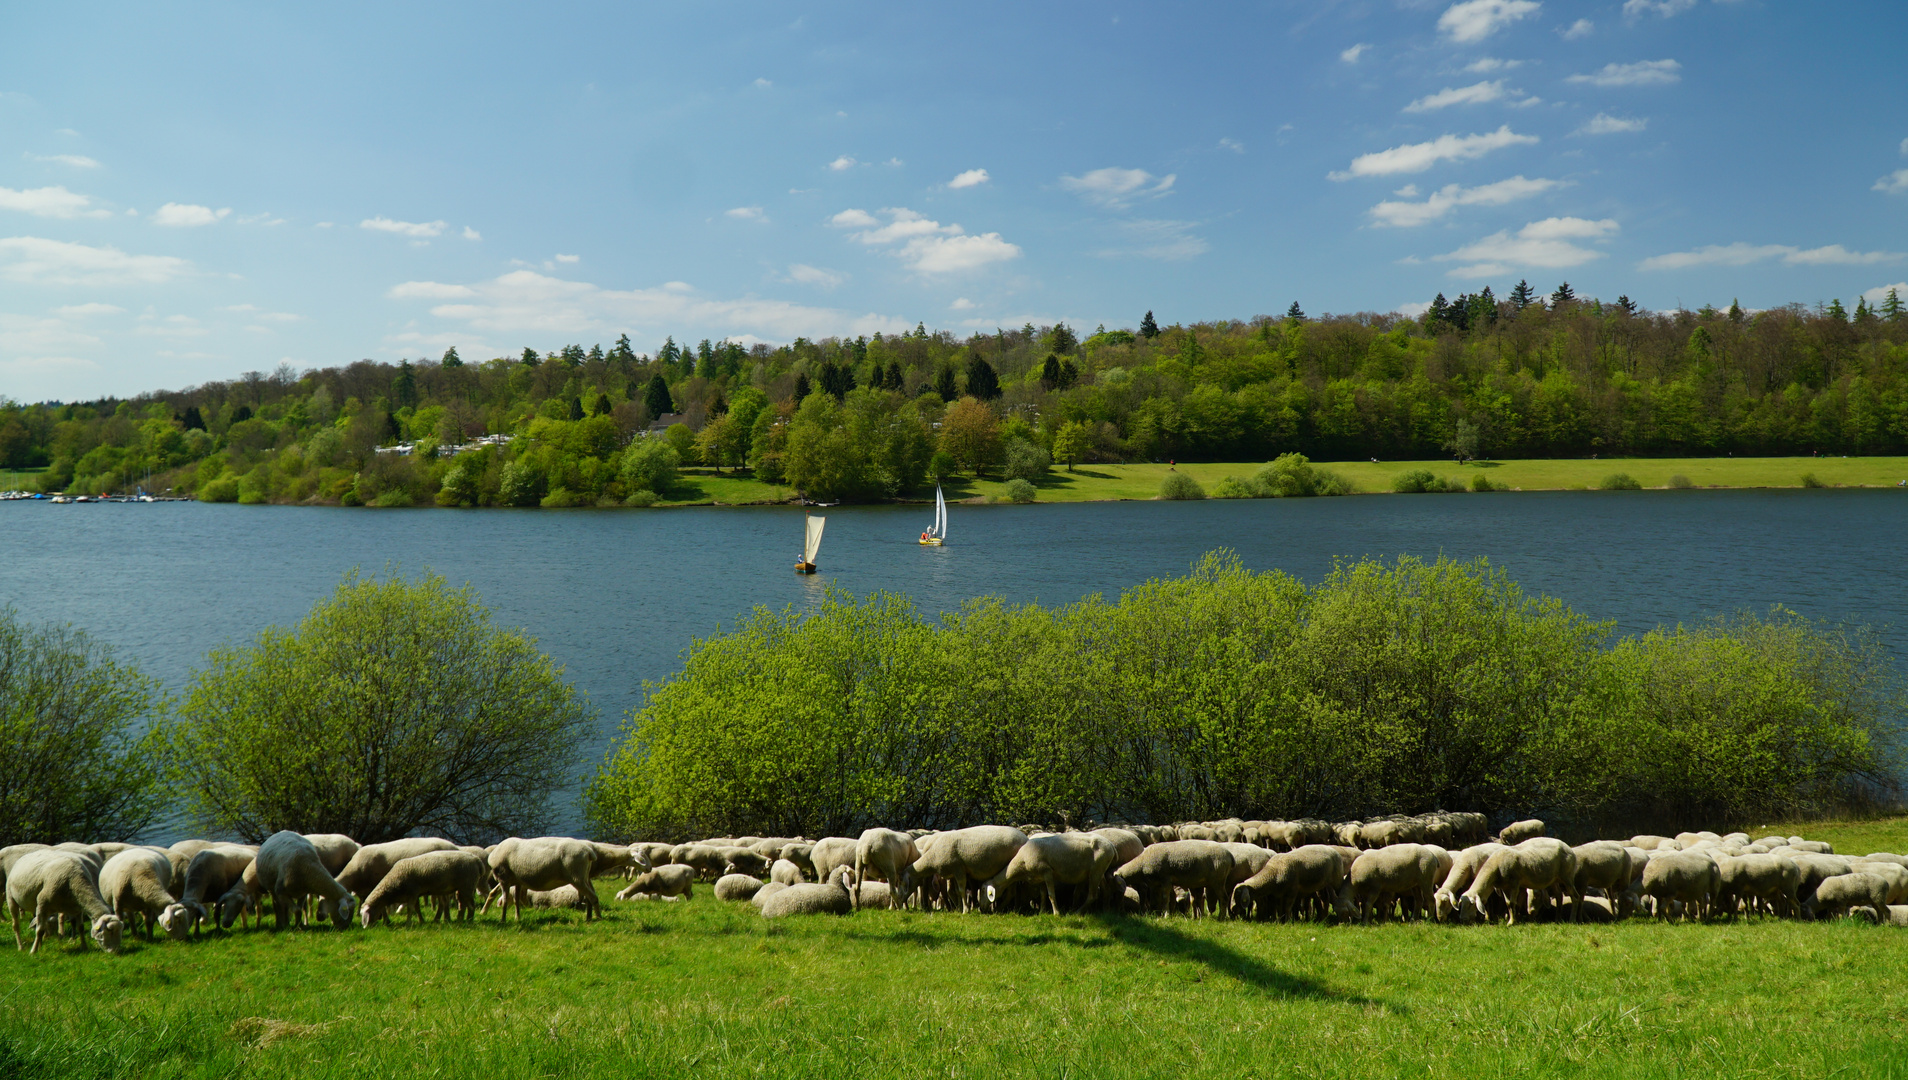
(576, 408)
(1523, 295)
(656, 397)
(1628, 305)
(1836, 311)
(530, 358)
(944, 383)
(802, 388)
(1563, 295)
(192, 418)
(1295, 313)
(1891, 307)
(1148, 328)
(1050, 373)
(451, 359)
(894, 375)
(982, 381)
(603, 406)
(1735, 311)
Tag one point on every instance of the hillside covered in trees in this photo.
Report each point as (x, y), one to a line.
(1521, 376)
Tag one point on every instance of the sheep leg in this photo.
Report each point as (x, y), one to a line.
(15, 910)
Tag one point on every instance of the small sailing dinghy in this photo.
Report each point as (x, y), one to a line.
(811, 543)
(937, 535)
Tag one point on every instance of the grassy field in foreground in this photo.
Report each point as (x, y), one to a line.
(712, 989)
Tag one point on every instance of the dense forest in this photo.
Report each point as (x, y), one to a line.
(869, 418)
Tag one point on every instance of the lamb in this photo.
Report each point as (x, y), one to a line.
(1815, 869)
(136, 884)
(1838, 894)
(1464, 868)
(1690, 878)
(1052, 860)
(1286, 878)
(653, 855)
(1533, 867)
(1399, 871)
(969, 855)
(55, 885)
(547, 862)
(829, 899)
(875, 894)
(1519, 831)
(1202, 867)
(455, 873)
(289, 867)
(785, 872)
(889, 856)
(673, 879)
(738, 887)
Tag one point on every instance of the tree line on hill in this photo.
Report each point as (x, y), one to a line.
(871, 418)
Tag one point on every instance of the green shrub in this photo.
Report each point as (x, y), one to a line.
(1809, 481)
(225, 489)
(1619, 482)
(644, 497)
(1482, 482)
(561, 498)
(1025, 461)
(942, 465)
(1419, 481)
(650, 465)
(1679, 481)
(392, 498)
(1020, 491)
(1232, 487)
(522, 483)
(1178, 485)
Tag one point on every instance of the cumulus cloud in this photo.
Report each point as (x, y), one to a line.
(961, 303)
(1880, 292)
(926, 246)
(1541, 245)
(569, 258)
(1475, 94)
(1417, 157)
(1634, 9)
(1451, 196)
(77, 161)
(50, 202)
(187, 216)
(804, 274)
(1641, 73)
(1605, 124)
(1895, 183)
(1475, 20)
(843, 163)
(746, 213)
(428, 290)
(763, 84)
(261, 219)
(31, 259)
(419, 230)
(1743, 254)
(1413, 309)
(526, 304)
(1168, 241)
(472, 234)
(1579, 29)
(1351, 55)
(1490, 65)
(1118, 187)
(970, 178)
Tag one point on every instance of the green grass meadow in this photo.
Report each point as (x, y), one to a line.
(711, 989)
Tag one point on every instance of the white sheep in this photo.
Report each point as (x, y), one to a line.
(547, 862)
(1687, 878)
(52, 885)
(828, 899)
(1464, 869)
(1519, 831)
(334, 850)
(457, 873)
(1202, 867)
(889, 856)
(740, 887)
(1531, 868)
(136, 884)
(213, 875)
(672, 879)
(289, 867)
(1604, 865)
(962, 858)
(1286, 878)
(762, 894)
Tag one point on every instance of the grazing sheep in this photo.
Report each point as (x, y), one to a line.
(963, 856)
(1202, 867)
(653, 855)
(1772, 879)
(136, 884)
(289, 867)
(875, 894)
(830, 899)
(616, 858)
(1408, 872)
(212, 875)
(1816, 869)
(372, 861)
(1688, 878)
(1895, 875)
(1126, 843)
(889, 856)
(1464, 868)
(545, 863)
(53, 885)
(1046, 862)
(707, 860)
(1519, 831)
(801, 853)
(738, 887)
(1836, 895)
(742, 860)
(1604, 865)
(672, 879)
(455, 873)
(334, 850)
(1285, 879)
(1247, 860)
(1531, 868)
(14, 853)
(786, 872)
(1378, 834)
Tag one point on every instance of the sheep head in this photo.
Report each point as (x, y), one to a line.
(106, 931)
(231, 906)
(176, 920)
(341, 914)
(1469, 910)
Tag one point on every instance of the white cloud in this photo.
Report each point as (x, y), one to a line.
(1233, 145)
(843, 163)
(1895, 183)
(1542, 245)
(763, 83)
(1417, 157)
(1904, 148)
(1605, 124)
(50, 202)
(171, 326)
(1351, 55)
(1490, 65)
(1641, 73)
(1633, 9)
(415, 229)
(895, 162)
(427, 290)
(569, 258)
(260, 219)
(186, 215)
(77, 161)
(926, 246)
(1169, 241)
(746, 213)
(970, 178)
(1475, 20)
(472, 234)
(1118, 187)
(1476, 94)
(1413, 309)
(33, 260)
(525, 304)
(1742, 254)
(1880, 292)
(961, 303)
(1579, 29)
(1451, 196)
(804, 274)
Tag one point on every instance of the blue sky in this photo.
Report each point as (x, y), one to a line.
(190, 191)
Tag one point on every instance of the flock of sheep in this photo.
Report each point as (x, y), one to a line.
(1439, 866)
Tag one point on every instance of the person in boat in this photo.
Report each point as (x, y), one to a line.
(924, 536)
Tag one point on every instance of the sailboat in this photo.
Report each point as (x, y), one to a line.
(937, 535)
(811, 543)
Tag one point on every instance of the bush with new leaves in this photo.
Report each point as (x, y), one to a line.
(394, 707)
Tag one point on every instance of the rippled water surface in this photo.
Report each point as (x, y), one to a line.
(617, 596)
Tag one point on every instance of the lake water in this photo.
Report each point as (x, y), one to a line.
(617, 596)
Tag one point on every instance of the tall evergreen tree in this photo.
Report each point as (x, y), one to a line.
(1440, 309)
(802, 387)
(656, 397)
(530, 358)
(1562, 296)
(982, 381)
(576, 408)
(192, 418)
(1064, 340)
(404, 386)
(451, 359)
(944, 383)
(1891, 307)
(1835, 311)
(622, 353)
(1050, 373)
(596, 353)
(894, 376)
(1295, 313)
(1523, 295)
(1735, 312)
(603, 406)
(1148, 328)
(1628, 305)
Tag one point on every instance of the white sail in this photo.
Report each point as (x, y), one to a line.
(812, 543)
(940, 514)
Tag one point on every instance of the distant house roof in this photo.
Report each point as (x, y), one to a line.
(665, 421)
